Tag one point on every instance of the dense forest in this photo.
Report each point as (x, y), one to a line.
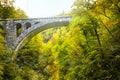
(87, 49)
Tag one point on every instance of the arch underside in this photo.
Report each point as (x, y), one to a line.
(38, 30)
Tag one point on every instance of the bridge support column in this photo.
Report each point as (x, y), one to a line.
(23, 27)
(10, 34)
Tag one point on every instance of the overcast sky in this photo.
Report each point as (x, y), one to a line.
(44, 8)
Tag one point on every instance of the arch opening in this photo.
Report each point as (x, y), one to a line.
(1, 25)
(28, 25)
(18, 29)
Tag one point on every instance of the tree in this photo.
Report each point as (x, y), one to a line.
(19, 13)
(95, 19)
(7, 8)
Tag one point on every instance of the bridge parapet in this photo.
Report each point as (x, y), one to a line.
(41, 19)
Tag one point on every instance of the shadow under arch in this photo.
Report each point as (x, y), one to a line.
(36, 31)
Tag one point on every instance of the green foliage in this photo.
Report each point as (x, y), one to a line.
(19, 13)
(9, 11)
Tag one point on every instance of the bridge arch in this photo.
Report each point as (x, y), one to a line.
(35, 29)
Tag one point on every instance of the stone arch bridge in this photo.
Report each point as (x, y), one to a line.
(19, 31)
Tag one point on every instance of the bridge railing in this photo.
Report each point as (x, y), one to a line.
(68, 18)
(38, 19)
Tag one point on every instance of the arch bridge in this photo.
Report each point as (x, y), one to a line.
(19, 31)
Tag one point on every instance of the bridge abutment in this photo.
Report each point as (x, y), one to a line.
(10, 34)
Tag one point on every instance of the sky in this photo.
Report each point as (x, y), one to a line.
(44, 8)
